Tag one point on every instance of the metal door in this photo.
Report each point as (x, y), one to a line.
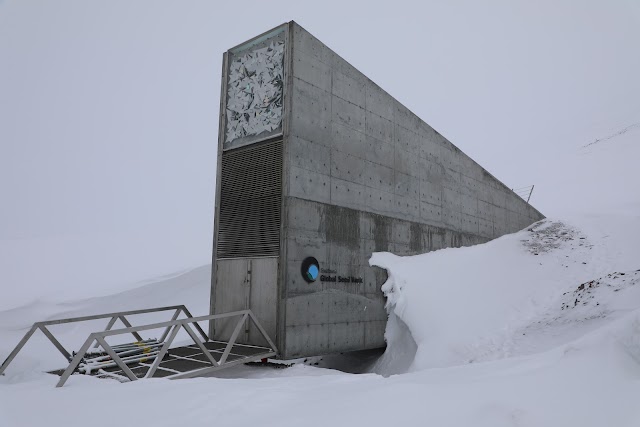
(247, 283)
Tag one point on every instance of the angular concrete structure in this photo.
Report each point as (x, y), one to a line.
(318, 167)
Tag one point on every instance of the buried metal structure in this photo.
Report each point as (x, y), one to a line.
(153, 358)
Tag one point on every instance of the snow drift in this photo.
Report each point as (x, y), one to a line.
(526, 292)
(517, 295)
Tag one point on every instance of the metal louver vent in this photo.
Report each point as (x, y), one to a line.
(250, 197)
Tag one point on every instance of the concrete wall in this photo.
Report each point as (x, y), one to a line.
(365, 174)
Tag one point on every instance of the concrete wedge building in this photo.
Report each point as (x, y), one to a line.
(318, 167)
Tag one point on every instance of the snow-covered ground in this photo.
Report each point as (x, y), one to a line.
(520, 294)
(537, 328)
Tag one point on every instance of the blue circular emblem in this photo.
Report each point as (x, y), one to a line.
(310, 269)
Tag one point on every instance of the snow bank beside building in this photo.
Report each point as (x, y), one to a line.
(523, 293)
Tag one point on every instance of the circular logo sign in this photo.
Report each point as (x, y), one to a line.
(310, 269)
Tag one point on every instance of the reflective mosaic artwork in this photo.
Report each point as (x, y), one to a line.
(254, 102)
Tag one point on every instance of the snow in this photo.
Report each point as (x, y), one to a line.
(537, 328)
(40, 355)
(510, 288)
(599, 178)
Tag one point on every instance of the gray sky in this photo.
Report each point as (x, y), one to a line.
(109, 111)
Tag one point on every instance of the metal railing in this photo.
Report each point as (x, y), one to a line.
(174, 326)
(121, 315)
(161, 346)
(524, 192)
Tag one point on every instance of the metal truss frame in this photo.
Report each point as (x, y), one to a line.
(171, 329)
(121, 315)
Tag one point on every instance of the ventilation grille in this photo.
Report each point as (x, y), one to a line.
(250, 197)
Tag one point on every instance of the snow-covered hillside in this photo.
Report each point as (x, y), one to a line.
(521, 294)
(537, 328)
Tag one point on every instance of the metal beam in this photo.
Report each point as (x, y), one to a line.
(200, 330)
(126, 323)
(201, 346)
(255, 321)
(109, 326)
(170, 323)
(55, 342)
(105, 315)
(16, 350)
(116, 358)
(163, 351)
(210, 369)
(75, 361)
(232, 340)
(168, 328)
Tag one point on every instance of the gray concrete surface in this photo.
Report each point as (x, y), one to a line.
(362, 173)
(365, 174)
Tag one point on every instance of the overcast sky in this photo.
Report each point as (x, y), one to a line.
(109, 110)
